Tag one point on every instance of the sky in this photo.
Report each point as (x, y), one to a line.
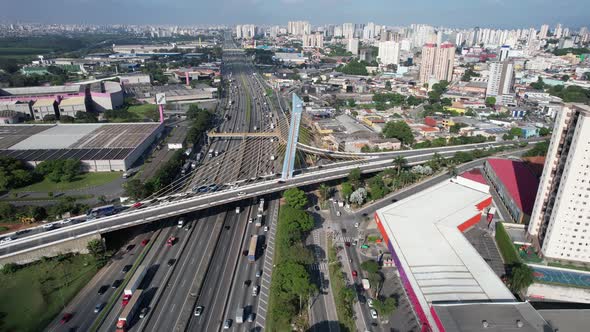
(451, 13)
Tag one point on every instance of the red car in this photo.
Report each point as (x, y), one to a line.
(145, 242)
(347, 244)
(125, 300)
(137, 205)
(66, 318)
(354, 274)
(171, 241)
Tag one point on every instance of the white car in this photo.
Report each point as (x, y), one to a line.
(356, 224)
(373, 313)
(266, 228)
(48, 226)
(370, 303)
(250, 220)
(6, 239)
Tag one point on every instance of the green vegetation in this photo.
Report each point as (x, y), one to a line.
(540, 149)
(505, 245)
(385, 307)
(14, 174)
(457, 140)
(291, 284)
(576, 51)
(134, 113)
(344, 296)
(469, 73)
(354, 67)
(571, 94)
(34, 294)
(490, 101)
(338, 50)
(248, 102)
(82, 181)
(399, 130)
(521, 277)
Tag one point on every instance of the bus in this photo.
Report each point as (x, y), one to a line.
(252, 249)
(101, 211)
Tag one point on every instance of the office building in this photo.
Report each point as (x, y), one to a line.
(298, 28)
(560, 222)
(437, 62)
(352, 46)
(388, 53)
(501, 79)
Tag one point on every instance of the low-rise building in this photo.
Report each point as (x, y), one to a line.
(43, 108)
(71, 106)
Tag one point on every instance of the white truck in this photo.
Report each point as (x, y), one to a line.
(240, 315)
(136, 280)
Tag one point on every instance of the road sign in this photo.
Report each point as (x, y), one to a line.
(161, 98)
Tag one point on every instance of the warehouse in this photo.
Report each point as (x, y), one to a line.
(516, 185)
(449, 285)
(100, 147)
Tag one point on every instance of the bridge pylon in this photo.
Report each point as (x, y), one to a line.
(291, 148)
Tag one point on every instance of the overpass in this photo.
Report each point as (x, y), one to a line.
(182, 203)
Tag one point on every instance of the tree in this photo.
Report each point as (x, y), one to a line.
(358, 196)
(354, 176)
(452, 170)
(66, 119)
(388, 86)
(377, 187)
(437, 161)
(490, 101)
(10, 268)
(521, 277)
(456, 127)
(351, 103)
(6, 211)
(96, 248)
(385, 307)
(49, 117)
(400, 162)
(565, 78)
(86, 117)
(539, 84)
(295, 198)
(346, 190)
(400, 130)
(135, 189)
(544, 131)
(516, 132)
(370, 266)
(295, 280)
(324, 191)
(470, 112)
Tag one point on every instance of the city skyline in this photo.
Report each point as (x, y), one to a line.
(454, 13)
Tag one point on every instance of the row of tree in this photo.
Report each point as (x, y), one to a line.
(12, 213)
(16, 174)
(291, 284)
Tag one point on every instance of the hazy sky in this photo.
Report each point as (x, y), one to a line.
(455, 13)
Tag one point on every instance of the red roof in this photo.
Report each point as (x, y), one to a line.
(518, 180)
(474, 175)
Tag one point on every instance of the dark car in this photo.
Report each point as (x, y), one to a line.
(117, 283)
(126, 268)
(103, 289)
(317, 208)
(245, 252)
(66, 318)
(247, 283)
(171, 261)
(130, 247)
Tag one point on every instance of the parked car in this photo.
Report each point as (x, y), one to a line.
(354, 273)
(373, 313)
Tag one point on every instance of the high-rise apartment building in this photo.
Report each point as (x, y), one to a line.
(352, 46)
(560, 222)
(501, 79)
(437, 62)
(315, 40)
(388, 52)
(298, 28)
(348, 30)
(543, 32)
(245, 31)
(558, 31)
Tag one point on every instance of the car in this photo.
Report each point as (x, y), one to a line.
(247, 283)
(6, 239)
(354, 243)
(103, 289)
(250, 220)
(227, 324)
(347, 244)
(99, 307)
(143, 312)
(126, 268)
(317, 208)
(255, 290)
(48, 226)
(137, 205)
(258, 273)
(241, 193)
(171, 240)
(227, 227)
(66, 317)
(144, 242)
(373, 313)
(370, 303)
(117, 283)
(266, 228)
(245, 252)
(356, 225)
(171, 261)
(125, 299)
(199, 310)
(130, 247)
(354, 273)
(250, 317)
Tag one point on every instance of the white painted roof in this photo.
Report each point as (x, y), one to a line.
(439, 261)
(57, 137)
